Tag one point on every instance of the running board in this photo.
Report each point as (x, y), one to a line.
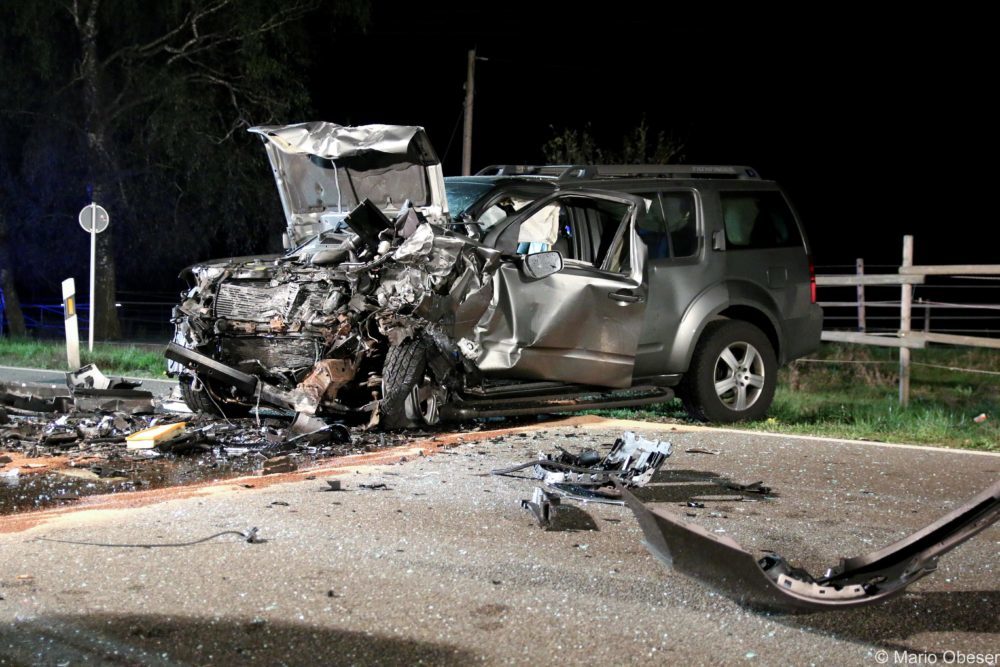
(591, 400)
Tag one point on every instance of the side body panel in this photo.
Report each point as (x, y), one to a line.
(580, 325)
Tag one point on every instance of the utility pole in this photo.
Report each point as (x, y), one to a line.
(470, 88)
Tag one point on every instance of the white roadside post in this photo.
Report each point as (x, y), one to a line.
(72, 329)
(94, 219)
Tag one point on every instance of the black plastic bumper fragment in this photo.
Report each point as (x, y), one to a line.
(773, 585)
(244, 382)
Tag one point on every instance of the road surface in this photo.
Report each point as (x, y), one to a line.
(443, 566)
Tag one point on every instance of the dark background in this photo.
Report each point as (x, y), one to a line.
(878, 123)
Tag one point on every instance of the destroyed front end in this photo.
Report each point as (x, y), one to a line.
(312, 331)
(370, 279)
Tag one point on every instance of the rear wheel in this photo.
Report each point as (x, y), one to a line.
(733, 374)
(203, 396)
(409, 396)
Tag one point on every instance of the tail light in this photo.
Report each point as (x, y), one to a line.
(812, 280)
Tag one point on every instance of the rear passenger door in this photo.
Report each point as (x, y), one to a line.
(671, 229)
(764, 246)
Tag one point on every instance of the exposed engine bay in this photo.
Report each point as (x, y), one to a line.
(315, 326)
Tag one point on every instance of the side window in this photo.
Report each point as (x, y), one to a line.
(589, 231)
(669, 225)
(682, 225)
(758, 220)
(580, 228)
(652, 227)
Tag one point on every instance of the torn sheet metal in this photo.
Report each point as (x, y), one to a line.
(35, 397)
(633, 460)
(770, 583)
(81, 395)
(296, 335)
(584, 477)
(543, 505)
(332, 141)
(129, 401)
(89, 376)
(325, 380)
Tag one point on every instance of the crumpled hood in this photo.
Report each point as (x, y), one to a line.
(332, 141)
(324, 170)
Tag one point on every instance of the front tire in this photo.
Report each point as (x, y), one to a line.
(733, 374)
(408, 397)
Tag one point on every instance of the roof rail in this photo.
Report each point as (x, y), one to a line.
(556, 170)
(578, 171)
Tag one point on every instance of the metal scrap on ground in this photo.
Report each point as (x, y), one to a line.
(584, 477)
(97, 434)
(770, 582)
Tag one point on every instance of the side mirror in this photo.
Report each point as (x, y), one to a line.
(718, 241)
(542, 264)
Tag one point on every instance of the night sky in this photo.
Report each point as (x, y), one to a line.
(877, 123)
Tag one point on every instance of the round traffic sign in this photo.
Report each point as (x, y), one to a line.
(91, 215)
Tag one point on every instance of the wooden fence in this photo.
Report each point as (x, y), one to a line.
(905, 338)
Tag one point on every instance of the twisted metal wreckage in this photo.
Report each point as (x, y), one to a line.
(383, 307)
(769, 583)
(378, 282)
(307, 330)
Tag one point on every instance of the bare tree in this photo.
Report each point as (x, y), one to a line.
(11, 302)
(138, 106)
(192, 44)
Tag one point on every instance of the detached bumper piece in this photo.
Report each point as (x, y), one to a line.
(35, 397)
(771, 584)
(243, 382)
(86, 390)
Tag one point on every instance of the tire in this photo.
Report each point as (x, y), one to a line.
(407, 398)
(199, 400)
(720, 386)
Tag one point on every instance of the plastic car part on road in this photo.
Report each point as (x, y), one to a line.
(771, 584)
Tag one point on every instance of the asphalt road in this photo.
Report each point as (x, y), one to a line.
(444, 567)
(16, 374)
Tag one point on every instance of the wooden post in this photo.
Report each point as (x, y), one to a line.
(859, 265)
(905, 307)
(470, 90)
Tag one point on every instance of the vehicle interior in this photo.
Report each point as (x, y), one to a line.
(582, 229)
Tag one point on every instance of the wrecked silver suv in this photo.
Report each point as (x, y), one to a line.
(558, 302)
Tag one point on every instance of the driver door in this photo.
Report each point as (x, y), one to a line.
(581, 324)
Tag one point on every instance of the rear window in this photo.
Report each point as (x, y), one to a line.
(758, 220)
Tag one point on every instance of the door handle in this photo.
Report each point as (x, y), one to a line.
(626, 297)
